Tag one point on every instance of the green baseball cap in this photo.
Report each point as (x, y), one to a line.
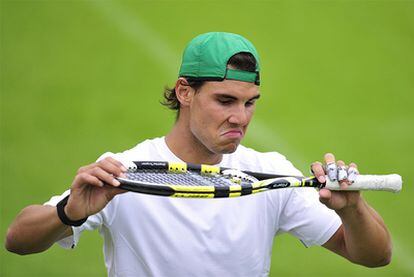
(207, 55)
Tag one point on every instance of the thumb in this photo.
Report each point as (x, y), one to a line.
(325, 196)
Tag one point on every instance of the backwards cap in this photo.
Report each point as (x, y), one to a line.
(207, 55)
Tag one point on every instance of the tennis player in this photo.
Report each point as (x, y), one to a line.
(215, 98)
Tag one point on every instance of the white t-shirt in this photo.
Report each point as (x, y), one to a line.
(147, 235)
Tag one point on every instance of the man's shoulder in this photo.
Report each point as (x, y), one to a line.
(250, 152)
(246, 158)
(147, 144)
(144, 150)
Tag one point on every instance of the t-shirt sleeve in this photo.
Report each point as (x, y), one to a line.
(93, 222)
(305, 217)
(302, 214)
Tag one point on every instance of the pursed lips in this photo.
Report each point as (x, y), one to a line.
(236, 133)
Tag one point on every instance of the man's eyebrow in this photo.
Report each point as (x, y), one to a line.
(224, 95)
(255, 97)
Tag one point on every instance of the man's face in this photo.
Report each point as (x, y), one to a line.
(220, 113)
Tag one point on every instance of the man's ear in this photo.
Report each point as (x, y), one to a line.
(183, 91)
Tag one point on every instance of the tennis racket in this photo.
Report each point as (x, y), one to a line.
(206, 181)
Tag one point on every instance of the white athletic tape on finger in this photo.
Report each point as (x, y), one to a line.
(342, 173)
(352, 174)
(392, 182)
(332, 171)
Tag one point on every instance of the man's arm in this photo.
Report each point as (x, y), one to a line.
(37, 227)
(363, 237)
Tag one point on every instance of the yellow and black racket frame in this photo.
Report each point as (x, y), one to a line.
(265, 181)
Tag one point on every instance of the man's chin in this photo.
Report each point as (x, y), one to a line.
(229, 148)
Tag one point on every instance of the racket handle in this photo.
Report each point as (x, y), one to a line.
(391, 182)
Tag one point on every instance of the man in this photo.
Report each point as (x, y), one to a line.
(215, 98)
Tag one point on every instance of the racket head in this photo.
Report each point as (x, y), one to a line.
(180, 180)
(203, 181)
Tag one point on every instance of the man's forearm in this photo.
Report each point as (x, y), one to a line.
(35, 229)
(367, 240)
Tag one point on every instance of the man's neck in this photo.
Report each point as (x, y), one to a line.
(185, 146)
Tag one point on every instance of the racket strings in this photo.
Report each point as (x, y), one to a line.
(184, 179)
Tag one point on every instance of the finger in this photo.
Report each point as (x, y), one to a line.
(325, 196)
(331, 168)
(85, 178)
(115, 163)
(318, 172)
(86, 167)
(329, 158)
(314, 164)
(111, 168)
(352, 172)
(104, 176)
(342, 174)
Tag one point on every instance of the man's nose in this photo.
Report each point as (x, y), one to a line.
(239, 115)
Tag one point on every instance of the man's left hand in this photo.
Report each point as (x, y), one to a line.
(344, 174)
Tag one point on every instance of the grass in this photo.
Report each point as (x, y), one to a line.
(79, 78)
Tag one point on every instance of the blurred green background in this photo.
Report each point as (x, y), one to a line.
(79, 78)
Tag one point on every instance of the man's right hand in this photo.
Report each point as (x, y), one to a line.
(37, 227)
(93, 187)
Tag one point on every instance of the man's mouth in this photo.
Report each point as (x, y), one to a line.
(233, 133)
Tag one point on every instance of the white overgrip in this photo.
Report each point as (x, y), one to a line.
(391, 182)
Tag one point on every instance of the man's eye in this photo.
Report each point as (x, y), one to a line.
(250, 103)
(225, 102)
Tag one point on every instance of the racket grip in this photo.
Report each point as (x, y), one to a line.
(391, 182)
